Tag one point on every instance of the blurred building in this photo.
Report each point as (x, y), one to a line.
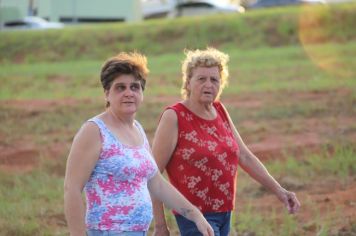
(77, 11)
(72, 10)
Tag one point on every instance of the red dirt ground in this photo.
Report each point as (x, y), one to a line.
(326, 196)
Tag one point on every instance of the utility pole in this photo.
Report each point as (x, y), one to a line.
(30, 11)
(178, 9)
(75, 18)
(0, 17)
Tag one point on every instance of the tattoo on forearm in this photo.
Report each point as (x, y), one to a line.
(185, 212)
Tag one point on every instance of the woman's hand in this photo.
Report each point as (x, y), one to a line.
(161, 190)
(290, 200)
(203, 225)
(161, 230)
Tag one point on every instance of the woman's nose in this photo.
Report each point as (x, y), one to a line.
(208, 82)
(128, 92)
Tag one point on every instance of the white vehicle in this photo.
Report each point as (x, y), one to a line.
(31, 23)
(177, 8)
(206, 7)
(275, 3)
(157, 8)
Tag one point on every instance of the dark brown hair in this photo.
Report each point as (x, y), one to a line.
(124, 64)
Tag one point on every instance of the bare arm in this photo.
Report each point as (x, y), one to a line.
(254, 167)
(164, 143)
(162, 190)
(82, 157)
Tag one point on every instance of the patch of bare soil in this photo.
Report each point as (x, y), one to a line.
(42, 104)
(270, 142)
(328, 204)
(274, 145)
(20, 158)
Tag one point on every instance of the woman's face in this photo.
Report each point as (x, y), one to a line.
(125, 94)
(204, 85)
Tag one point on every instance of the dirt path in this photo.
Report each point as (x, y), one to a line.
(268, 142)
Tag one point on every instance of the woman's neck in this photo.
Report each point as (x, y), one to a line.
(204, 110)
(124, 120)
(123, 127)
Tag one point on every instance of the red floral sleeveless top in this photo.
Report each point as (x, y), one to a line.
(203, 166)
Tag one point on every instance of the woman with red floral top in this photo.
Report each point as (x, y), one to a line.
(200, 148)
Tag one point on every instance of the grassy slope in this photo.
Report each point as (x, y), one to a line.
(66, 66)
(291, 68)
(262, 28)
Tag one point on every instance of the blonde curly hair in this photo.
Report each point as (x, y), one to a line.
(209, 57)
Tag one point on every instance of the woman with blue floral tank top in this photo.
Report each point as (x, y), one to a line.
(110, 159)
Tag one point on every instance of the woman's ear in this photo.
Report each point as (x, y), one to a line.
(107, 102)
(187, 85)
(106, 92)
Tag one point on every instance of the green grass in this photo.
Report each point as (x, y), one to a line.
(263, 70)
(339, 162)
(50, 80)
(251, 223)
(324, 166)
(293, 82)
(34, 200)
(276, 27)
(37, 200)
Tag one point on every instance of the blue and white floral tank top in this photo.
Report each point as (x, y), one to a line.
(116, 193)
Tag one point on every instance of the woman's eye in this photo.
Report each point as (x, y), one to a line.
(121, 88)
(135, 87)
(215, 80)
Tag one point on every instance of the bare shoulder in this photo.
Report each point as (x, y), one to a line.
(169, 116)
(89, 132)
(89, 128)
